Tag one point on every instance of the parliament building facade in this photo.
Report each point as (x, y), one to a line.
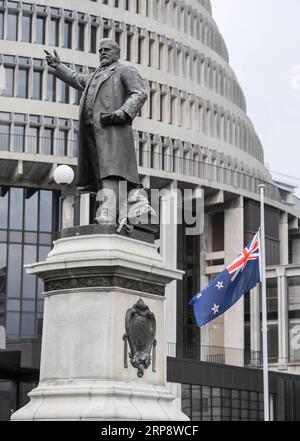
(192, 133)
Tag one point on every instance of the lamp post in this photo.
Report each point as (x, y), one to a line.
(64, 176)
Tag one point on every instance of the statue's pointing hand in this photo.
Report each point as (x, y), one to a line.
(52, 61)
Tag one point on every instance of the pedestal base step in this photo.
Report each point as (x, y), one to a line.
(98, 401)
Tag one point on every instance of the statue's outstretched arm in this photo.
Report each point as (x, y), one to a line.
(64, 73)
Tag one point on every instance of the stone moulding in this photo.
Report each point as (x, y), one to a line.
(104, 281)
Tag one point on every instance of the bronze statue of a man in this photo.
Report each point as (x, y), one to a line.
(112, 97)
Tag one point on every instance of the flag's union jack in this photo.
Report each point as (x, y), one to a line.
(251, 252)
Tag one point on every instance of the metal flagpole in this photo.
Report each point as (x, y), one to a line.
(264, 304)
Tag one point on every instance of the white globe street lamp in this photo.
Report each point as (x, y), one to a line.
(63, 175)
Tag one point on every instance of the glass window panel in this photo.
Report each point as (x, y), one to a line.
(15, 236)
(93, 39)
(33, 140)
(26, 27)
(12, 324)
(65, 93)
(23, 83)
(37, 84)
(51, 87)
(48, 142)
(30, 238)
(68, 34)
(40, 286)
(12, 25)
(80, 36)
(19, 139)
(13, 305)
(3, 211)
(3, 268)
(4, 136)
(28, 306)
(16, 209)
(54, 30)
(14, 271)
(1, 25)
(45, 211)
(75, 144)
(9, 81)
(29, 281)
(62, 143)
(3, 235)
(28, 325)
(45, 239)
(31, 213)
(40, 30)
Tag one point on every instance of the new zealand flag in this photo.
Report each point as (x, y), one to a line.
(227, 288)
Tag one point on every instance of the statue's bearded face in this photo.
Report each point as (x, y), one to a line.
(108, 54)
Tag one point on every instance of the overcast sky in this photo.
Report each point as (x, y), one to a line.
(263, 40)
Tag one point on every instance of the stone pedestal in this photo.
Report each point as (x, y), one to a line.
(90, 283)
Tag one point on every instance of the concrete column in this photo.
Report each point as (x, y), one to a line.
(2, 338)
(255, 325)
(68, 212)
(212, 335)
(283, 321)
(85, 209)
(284, 239)
(234, 243)
(168, 251)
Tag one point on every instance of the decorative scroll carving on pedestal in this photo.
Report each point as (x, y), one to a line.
(104, 281)
(140, 325)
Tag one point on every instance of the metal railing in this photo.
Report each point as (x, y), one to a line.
(215, 354)
(184, 165)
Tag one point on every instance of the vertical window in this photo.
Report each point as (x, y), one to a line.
(1, 24)
(4, 137)
(16, 209)
(78, 93)
(80, 36)
(14, 271)
(19, 138)
(48, 141)
(40, 29)
(23, 83)
(128, 52)
(37, 84)
(9, 81)
(12, 25)
(64, 93)
(3, 215)
(51, 87)
(68, 34)
(45, 211)
(54, 31)
(62, 143)
(31, 217)
(26, 27)
(75, 143)
(29, 281)
(33, 140)
(93, 39)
